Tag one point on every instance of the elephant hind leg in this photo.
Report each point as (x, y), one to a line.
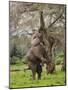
(39, 70)
(33, 68)
(33, 74)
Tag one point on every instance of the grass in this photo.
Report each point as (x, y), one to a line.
(21, 79)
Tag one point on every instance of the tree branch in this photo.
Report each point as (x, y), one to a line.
(55, 20)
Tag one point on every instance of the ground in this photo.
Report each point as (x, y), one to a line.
(20, 78)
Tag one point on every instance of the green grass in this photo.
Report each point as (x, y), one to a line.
(20, 79)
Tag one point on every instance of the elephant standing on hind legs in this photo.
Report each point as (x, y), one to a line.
(37, 53)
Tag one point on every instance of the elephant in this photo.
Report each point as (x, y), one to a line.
(38, 53)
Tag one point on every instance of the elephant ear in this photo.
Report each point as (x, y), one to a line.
(35, 42)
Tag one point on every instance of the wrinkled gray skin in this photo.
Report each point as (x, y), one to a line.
(36, 55)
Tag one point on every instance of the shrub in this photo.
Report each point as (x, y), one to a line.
(24, 60)
(19, 53)
(58, 61)
(59, 58)
(16, 51)
(14, 60)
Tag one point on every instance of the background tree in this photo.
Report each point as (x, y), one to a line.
(25, 17)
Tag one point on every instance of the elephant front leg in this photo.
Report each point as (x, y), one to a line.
(33, 74)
